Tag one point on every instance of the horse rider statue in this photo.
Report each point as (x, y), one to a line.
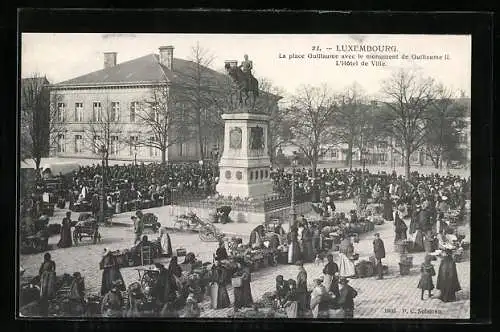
(247, 66)
(242, 76)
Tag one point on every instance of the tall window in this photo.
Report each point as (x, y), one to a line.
(114, 145)
(133, 145)
(153, 151)
(61, 147)
(78, 112)
(134, 108)
(78, 143)
(115, 111)
(333, 154)
(97, 111)
(97, 144)
(61, 111)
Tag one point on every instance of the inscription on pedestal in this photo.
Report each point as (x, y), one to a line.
(235, 138)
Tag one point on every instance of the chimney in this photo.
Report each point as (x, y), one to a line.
(167, 56)
(109, 59)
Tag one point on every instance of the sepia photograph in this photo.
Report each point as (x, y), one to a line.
(318, 176)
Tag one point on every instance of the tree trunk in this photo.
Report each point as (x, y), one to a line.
(199, 135)
(349, 155)
(37, 163)
(314, 164)
(407, 164)
(163, 155)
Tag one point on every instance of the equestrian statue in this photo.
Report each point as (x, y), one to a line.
(245, 81)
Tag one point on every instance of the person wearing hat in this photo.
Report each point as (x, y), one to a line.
(447, 280)
(330, 272)
(379, 253)
(346, 298)
(221, 252)
(111, 272)
(112, 301)
(66, 241)
(242, 294)
(317, 296)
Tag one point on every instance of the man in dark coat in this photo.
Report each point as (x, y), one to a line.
(379, 251)
(332, 269)
(447, 279)
(346, 298)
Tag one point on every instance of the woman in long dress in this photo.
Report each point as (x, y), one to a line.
(66, 240)
(166, 244)
(447, 279)
(346, 266)
(399, 228)
(308, 254)
(243, 294)
(293, 246)
(387, 214)
(47, 275)
(111, 273)
(291, 305)
(219, 278)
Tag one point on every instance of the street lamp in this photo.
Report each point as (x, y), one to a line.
(292, 202)
(102, 150)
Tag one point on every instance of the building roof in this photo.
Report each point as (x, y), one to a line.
(146, 69)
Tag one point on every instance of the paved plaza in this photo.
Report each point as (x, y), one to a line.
(394, 297)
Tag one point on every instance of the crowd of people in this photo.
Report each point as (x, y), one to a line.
(423, 199)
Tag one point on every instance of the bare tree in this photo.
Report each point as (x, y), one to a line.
(350, 119)
(279, 130)
(407, 98)
(444, 127)
(310, 118)
(104, 130)
(40, 125)
(198, 85)
(163, 118)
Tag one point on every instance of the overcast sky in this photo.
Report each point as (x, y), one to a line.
(64, 56)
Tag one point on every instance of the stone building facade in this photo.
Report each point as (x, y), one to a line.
(112, 98)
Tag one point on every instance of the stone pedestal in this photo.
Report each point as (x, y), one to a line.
(245, 164)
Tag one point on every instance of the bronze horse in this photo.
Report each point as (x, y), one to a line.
(245, 83)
